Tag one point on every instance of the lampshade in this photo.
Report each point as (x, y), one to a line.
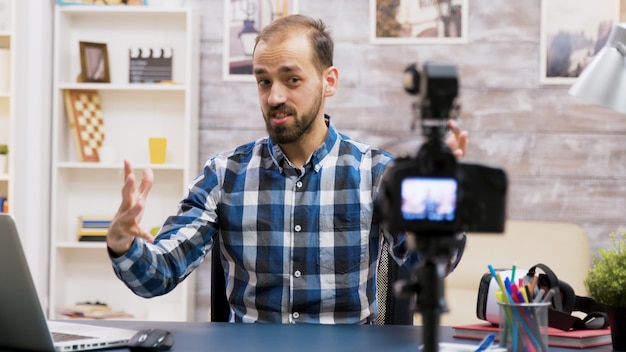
(603, 82)
(248, 37)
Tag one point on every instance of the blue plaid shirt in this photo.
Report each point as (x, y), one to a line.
(298, 245)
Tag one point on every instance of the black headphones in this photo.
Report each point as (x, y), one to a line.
(565, 301)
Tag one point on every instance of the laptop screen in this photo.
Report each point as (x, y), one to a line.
(22, 322)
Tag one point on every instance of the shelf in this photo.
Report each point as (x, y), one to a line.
(8, 69)
(161, 28)
(131, 114)
(81, 245)
(133, 87)
(130, 118)
(100, 10)
(88, 277)
(118, 166)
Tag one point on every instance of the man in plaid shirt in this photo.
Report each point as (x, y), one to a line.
(293, 213)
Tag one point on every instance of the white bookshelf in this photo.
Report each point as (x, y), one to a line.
(7, 96)
(81, 271)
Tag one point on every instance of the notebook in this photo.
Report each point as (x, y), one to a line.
(23, 324)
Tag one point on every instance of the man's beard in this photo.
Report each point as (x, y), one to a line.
(302, 123)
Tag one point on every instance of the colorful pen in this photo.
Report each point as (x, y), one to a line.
(496, 275)
(539, 295)
(534, 282)
(486, 343)
(548, 296)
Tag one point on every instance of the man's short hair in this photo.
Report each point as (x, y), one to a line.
(315, 29)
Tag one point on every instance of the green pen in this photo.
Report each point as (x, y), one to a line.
(513, 273)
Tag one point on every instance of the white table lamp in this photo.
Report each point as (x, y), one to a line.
(603, 81)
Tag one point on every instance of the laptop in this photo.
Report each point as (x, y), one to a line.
(23, 324)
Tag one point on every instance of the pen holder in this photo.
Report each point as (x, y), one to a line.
(524, 326)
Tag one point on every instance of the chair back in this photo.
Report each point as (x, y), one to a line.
(220, 310)
(392, 310)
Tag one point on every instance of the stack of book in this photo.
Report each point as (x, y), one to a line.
(93, 228)
(556, 337)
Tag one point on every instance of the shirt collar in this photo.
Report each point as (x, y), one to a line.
(317, 157)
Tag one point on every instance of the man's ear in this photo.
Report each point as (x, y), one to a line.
(331, 80)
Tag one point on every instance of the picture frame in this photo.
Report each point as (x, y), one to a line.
(243, 20)
(572, 32)
(419, 22)
(94, 62)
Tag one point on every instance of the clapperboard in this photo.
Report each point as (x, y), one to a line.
(150, 65)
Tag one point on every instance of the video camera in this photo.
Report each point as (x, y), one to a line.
(432, 193)
(432, 197)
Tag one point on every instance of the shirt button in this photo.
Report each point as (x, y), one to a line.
(297, 273)
(296, 315)
(299, 184)
(298, 228)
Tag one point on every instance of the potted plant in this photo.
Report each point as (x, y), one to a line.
(4, 150)
(606, 283)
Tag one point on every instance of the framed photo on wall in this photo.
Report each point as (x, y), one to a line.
(572, 32)
(243, 20)
(94, 62)
(418, 21)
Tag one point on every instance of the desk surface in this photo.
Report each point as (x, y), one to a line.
(302, 338)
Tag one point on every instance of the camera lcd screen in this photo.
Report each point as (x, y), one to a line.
(428, 199)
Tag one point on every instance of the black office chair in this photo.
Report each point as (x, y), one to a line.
(392, 310)
(220, 310)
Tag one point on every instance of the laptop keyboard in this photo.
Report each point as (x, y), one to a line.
(62, 337)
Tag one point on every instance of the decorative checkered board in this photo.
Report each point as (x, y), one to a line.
(84, 113)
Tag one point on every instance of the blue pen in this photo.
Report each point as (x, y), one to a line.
(507, 284)
(485, 343)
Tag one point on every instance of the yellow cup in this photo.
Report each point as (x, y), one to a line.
(158, 147)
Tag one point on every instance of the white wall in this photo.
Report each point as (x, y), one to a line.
(33, 79)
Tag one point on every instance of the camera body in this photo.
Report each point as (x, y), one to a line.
(432, 193)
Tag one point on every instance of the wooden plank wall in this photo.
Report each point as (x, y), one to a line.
(566, 160)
